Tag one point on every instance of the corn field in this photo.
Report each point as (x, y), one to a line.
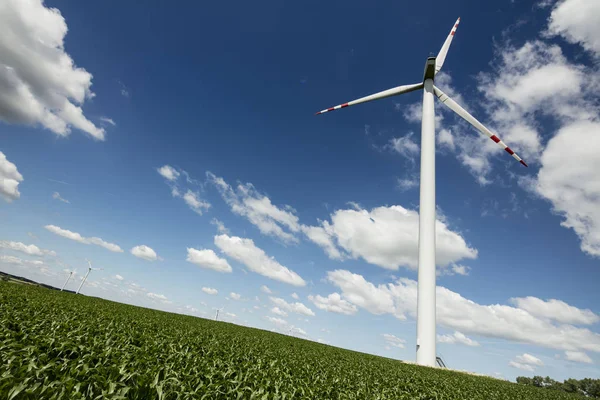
(56, 345)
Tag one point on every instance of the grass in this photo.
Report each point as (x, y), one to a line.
(56, 345)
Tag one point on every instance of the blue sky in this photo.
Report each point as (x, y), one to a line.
(193, 127)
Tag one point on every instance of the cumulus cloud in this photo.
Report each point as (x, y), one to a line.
(457, 338)
(156, 296)
(333, 303)
(556, 310)
(235, 296)
(578, 356)
(297, 307)
(246, 252)
(181, 188)
(279, 311)
(39, 81)
(57, 196)
(168, 172)
(405, 146)
(192, 199)
(144, 252)
(455, 312)
(577, 22)
(246, 201)
(573, 188)
(295, 296)
(526, 362)
(210, 291)
(9, 178)
(119, 277)
(386, 237)
(85, 240)
(207, 258)
(30, 249)
(393, 340)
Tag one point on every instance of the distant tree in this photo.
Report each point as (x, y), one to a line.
(538, 381)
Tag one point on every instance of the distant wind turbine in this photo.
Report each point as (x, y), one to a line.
(218, 309)
(90, 269)
(67, 281)
(426, 281)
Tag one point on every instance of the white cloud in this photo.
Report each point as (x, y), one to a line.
(246, 201)
(526, 358)
(207, 258)
(144, 252)
(265, 289)
(279, 311)
(108, 121)
(295, 296)
(168, 172)
(156, 296)
(235, 296)
(524, 367)
(577, 21)
(178, 189)
(193, 200)
(405, 146)
(393, 340)
(297, 307)
(457, 338)
(388, 237)
(460, 269)
(578, 356)
(20, 262)
(220, 226)
(9, 176)
(78, 238)
(210, 291)
(407, 184)
(246, 252)
(333, 303)
(30, 249)
(556, 310)
(57, 196)
(39, 81)
(281, 323)
(573, 187)
(464, 315)
(119, 277)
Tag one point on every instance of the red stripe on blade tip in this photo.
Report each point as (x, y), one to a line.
(523, 162)
(509, 151)
(344, 105)
(495, 138)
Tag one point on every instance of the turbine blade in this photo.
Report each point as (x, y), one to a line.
(381, 95)
(451, 104)
(439, 60)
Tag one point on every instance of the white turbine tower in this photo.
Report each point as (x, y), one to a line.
(67, 281)
(90, 269)
(426, 282)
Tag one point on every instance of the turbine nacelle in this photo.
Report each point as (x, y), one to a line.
(429, 72)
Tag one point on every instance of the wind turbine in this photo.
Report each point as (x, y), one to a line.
(90, 269)
(426, 281)
(218, 309)
(67, 281)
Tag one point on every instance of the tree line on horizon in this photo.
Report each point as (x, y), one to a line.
(587, 387)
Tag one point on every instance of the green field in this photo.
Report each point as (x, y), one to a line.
(57, 345)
